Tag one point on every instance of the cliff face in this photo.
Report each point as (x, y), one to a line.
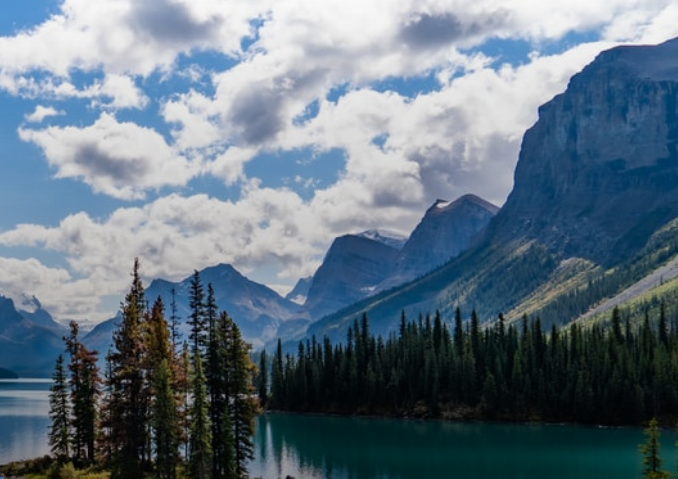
(598, 173)
(595, 185)
(444, 232)
(28, 348)
(353, 268)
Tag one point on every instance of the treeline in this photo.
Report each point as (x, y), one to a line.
(161, 409)
(621, 374)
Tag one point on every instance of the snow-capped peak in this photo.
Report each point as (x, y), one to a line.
(394, 240)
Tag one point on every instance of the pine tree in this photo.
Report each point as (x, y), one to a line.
(200, 455)
(196, 319)
(59, 413)
(244, 406)
(262, 379)
(165, 427)
(128, 400)
(221, 397)
(651, 453)
(215, 383)
(84, 384)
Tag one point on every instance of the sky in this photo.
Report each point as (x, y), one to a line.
(189, 133)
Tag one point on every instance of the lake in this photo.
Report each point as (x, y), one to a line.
(24, 421)
(322, 447)
(317, 447)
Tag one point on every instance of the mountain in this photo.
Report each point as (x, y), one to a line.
(30, 341)
(597, 173)
(352, 269)
(299, 293)
(593, 209)
(393, 240)
(258, 310)
(446, 230)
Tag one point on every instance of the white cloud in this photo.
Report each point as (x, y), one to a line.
(463, 136)
(41, 112)
(60, 293)
(118, 159)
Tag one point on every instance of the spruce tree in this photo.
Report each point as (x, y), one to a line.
(651, 453)
(200, 455)
(244, 406)
(165, 427)
(262, 379)
(85, 388)
(128, 389)
(196, 318)
(59, 413)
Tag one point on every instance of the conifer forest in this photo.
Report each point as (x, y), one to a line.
(162, 407)
(622, 374)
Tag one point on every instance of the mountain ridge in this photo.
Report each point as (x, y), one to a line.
(587, 201)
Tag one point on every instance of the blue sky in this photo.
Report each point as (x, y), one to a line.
(252, 132)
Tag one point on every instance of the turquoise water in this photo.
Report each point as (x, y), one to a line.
(317, 447)
(321, 447)
(24, 421)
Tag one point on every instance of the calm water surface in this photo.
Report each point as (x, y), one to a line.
(24, 407)
(316, 447)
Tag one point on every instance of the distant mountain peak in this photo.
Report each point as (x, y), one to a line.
(649, 62)
(23, 301)
(441, 205)
(299, 293)
(389, 238)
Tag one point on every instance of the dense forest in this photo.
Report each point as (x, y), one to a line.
(162, 409)
(622, 374)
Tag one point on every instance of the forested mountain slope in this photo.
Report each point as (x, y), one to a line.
(595, 193)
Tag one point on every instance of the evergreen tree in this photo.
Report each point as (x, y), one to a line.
(59, 413)
(84, 384)
(244, 406)
(200, 455)
(196, 318)
(165, 427)
(128, 403)
(651, 453)
(262, 379)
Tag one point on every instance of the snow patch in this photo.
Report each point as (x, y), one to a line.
(299, 299)
(389, 238)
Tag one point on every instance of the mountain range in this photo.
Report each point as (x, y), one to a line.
(593, 209)
(593, 216)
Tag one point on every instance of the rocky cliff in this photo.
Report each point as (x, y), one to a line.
(598, 173)
(593, 208)
(447, 229)
(353, 268)
(28, 348)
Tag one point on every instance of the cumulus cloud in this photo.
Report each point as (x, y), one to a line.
(58, 292)
(41, 112)
(174, 235)
(286, 61)
(118, 159)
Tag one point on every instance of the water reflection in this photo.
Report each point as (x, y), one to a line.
(318, 447)
(24, 421)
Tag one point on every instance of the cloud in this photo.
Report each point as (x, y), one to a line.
(427, 30)
(119, 159)
(60, 294)
(41, 112)
(401, 150)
